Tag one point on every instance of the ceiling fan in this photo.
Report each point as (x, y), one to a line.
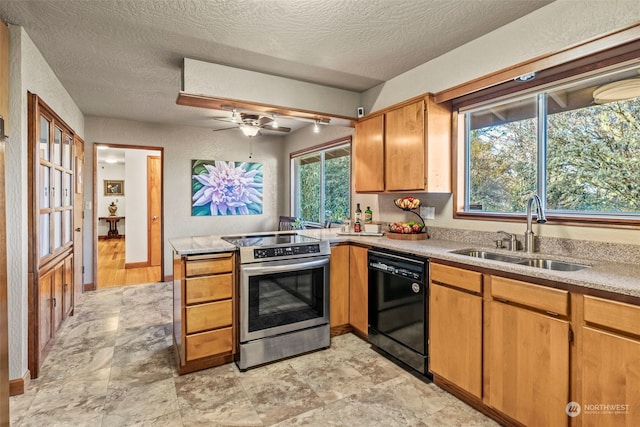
(251, 123)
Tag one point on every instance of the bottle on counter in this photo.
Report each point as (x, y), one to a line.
(357, 220)
(357, 226)
(368, 216)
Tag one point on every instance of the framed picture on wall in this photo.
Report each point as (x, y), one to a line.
(113, 187)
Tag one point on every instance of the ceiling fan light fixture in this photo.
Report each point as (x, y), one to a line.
(234, 116)
(316, 127)
(249, 131)
(274, 122)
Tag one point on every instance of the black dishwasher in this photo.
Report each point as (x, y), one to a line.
(398, 307)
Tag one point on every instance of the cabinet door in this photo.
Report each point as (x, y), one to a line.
(405, 148)
(528, 365)
(359, 290)
(339, 286)
(611, 366)
(58, 303)
(45, 301)
(67, 287)
(455, 337)
(368, 154)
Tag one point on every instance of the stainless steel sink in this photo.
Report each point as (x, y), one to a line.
(548, 264)
(488, 255)
(551, 264)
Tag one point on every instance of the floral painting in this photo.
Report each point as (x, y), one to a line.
(226, 188)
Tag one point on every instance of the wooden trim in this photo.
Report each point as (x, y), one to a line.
(323, 146)
(88, 287)
(19, 385)
(136, 264)
(202, 101)
(543, 62)
(340, 330)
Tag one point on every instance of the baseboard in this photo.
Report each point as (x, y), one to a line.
(19, 385)
(88, 287)
(168, 278)
(136, 264)
(105, 237)
(341, 330)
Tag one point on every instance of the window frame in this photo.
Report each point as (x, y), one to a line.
(540, 93)
(319, 149)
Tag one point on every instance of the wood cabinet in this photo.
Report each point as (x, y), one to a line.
(339, 289)
(4, 75)
(204, 310)
(55, 301)
(610, 358)
(410, 143)
(455, 326)
(51, 215)
(359, 290)
(368, 154)
(528, 352)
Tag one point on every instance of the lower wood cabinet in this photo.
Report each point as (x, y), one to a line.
(204, 324)
(359, 290)
(54, 303)
(455, 326)
(339, 289)
(528, 363)
(610, 359)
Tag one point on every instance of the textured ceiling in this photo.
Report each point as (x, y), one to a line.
(122, 59)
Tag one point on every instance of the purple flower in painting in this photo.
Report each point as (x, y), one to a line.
(229, 189)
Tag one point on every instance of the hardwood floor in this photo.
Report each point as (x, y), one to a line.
(111, 271)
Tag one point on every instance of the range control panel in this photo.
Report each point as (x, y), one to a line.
(280, 251)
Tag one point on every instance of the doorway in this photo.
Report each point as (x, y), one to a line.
(128, 215)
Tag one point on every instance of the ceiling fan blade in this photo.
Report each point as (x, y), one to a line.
(278, 129)
(264, 120)
(232, 127)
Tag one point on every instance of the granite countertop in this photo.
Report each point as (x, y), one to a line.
(619, 278)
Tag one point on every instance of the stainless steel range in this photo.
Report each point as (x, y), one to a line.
(284, 296)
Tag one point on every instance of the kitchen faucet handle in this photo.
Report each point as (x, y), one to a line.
(513, 241)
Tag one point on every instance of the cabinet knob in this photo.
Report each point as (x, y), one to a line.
(78, 229)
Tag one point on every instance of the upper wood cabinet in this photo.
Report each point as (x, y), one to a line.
(369, 154)
(405, 148)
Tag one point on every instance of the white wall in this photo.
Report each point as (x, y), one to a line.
(181, 145)
(28, 72)
(559, 25)
(111, 171)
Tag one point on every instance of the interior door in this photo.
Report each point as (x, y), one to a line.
(78, 217)
(154, 206)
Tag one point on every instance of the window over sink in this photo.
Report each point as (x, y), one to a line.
(575, 143)
(320, 182)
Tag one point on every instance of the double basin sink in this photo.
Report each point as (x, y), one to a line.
(548, 264)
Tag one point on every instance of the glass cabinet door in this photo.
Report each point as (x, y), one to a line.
(57, 146)
(43, 146)
(67, 151)
(45, 247)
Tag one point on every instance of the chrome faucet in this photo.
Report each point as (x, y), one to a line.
(529, 241)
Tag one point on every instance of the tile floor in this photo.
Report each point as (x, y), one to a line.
(112, 365)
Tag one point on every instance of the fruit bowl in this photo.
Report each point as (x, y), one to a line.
(407, 203)
(410, 227)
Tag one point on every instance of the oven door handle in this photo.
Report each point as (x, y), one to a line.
(263, 268)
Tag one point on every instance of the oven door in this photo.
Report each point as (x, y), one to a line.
(281, 296)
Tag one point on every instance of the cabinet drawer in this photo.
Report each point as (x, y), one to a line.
(209, 343)
(457, 277)
(201, 266)
(612, 314)
(208, 288)
(209, 316)
(535, 296)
